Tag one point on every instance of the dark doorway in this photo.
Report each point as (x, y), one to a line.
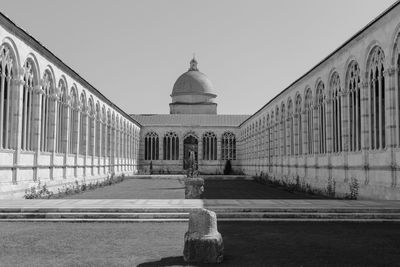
(190, 144)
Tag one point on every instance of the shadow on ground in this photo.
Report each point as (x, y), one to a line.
(303, 244)
(247, 189)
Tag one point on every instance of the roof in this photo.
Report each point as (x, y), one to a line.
(327, 57)
(193, 82)
(205, 120)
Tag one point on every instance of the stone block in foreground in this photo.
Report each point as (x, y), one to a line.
(194, 188)
(203, 242)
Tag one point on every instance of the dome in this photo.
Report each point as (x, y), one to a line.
(193, 82)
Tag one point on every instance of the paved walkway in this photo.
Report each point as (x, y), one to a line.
(105, 204)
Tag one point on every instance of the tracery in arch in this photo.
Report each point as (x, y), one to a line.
(353, 84)
(83, 125)
(299, 129)
(171, 146)
(7, 102)
(376, 80)
(228, 146)
(336, 128)
(321, 111)
(62, 119)
(309, 120)
(290, 127)
(209, 146)
(29, 100)
(47, 111)
(73, 133)
(151, 146)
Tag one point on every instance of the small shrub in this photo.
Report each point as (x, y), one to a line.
(353, 187)
(331, 187)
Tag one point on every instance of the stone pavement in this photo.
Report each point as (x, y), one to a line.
(178, 209)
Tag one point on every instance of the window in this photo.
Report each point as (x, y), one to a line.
(290, 128)
(228, 146)
(73, 140)
(83, 125)
(6, 100)
(309, 120)
(91, 128)
(171, 146)
(336, 127)
(62, 122)
(377, 98)
(299, 117)
(28, 107)
(48, 110)
(151, 143)
(209, 146)
(321, 113)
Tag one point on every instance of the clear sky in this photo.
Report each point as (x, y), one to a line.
(133, 51)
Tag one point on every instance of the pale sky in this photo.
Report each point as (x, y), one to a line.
(133, 51)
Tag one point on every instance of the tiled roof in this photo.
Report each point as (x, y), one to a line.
(190, 120)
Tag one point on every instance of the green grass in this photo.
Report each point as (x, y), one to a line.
(161, 244)
(132, 188)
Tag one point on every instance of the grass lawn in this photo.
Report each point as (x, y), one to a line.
(161, 244)
(132, 188)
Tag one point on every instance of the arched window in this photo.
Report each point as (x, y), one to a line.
(269, 141)
(98, 130)
(6, 98)
(62, 119)
(171, 146)
(83, 125)
(309, 118)
(104, 132)
(283, 130)
(73, 140)
(377, 98)
(321, 111)
(209, 146)
(290, 128)
(336, 127)
(228, 146)
(91, 128)
(29, 98)
(299, 127)
(151, 143)
(48, 105)
(354, 108)
(277, 136)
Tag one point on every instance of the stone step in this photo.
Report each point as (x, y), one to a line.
(184, 216)
(219, 210)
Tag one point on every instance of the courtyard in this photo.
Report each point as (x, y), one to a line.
(173, 188)
(161, 244)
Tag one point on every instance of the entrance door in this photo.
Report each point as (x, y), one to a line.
(189, 144)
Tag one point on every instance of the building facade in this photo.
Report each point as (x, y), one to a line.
(55, 128)
(335, 128)
(339, 124)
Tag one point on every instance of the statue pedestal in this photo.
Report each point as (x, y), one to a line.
(194, 188)
(203, 242)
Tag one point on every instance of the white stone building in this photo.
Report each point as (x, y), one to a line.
(337, 125)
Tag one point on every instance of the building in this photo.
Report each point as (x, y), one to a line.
(192, 125)
(55, 128)
(336, 128)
